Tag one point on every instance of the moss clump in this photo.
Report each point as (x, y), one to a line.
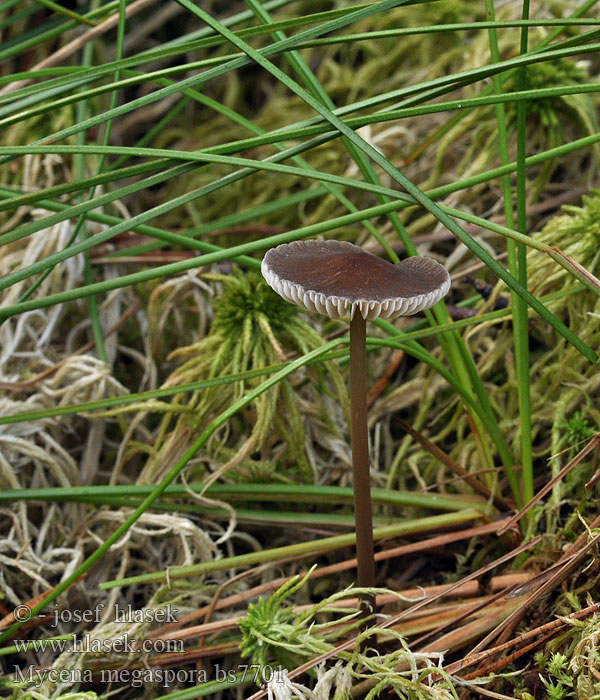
(569, 664)
(245, 300)
(253, 329)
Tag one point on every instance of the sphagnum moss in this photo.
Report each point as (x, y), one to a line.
(252, 328)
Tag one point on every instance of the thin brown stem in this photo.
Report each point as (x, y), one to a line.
(360, 460)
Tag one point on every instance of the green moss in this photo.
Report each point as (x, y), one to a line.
(253, 328)
(249, 297)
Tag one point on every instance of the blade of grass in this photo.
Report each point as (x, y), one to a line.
(312, 547)
(55, 7)
(521, 329)
(520, 322)
(80, 231)
(255, 493)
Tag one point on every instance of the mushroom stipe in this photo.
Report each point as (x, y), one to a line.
(336, 278)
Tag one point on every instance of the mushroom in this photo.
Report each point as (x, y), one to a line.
(336, 278)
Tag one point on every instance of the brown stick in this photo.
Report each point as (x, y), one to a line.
(502, 663)
(454, 467)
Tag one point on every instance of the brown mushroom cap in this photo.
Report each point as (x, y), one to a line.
(336, 278)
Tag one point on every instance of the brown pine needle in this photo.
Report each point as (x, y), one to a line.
(472, 659)
(456, 468)
(568, 566)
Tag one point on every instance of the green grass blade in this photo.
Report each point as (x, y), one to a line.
(328, 543)
(521, 328)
